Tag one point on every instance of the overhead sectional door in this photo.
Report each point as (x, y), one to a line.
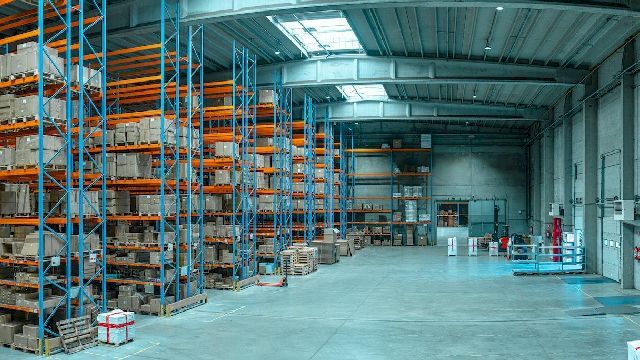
(610, 230)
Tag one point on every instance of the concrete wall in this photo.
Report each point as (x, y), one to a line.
(464, 172)
(483, 172)
(570, 156)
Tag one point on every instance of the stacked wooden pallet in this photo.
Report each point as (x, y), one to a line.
(300, 260)
(289, 258)
(309, 256)
(301, 269)
(77, 334)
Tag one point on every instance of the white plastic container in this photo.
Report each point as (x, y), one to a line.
(452, 246)
(493, 248)
(473, 246)
(633, 350)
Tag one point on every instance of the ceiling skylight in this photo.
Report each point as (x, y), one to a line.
(325, 32)
(363, 92)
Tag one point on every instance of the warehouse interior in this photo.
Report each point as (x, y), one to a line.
(314, 179)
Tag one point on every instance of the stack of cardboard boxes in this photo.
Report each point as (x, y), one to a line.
(15, 199)
(25, 61)
(150, 204)
(447, 218)
(27, 151)
(118, 202)
(328, 248)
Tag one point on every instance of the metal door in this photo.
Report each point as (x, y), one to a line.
(578, 195)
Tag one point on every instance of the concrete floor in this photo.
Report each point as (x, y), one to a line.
(389, 303)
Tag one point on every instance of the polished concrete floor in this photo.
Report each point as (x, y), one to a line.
(390, 303)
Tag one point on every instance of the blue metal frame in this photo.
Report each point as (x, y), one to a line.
(63, 129)
(283, 165)
(328, 172)
(343, 187)
(195, 110)
(86, 160)
(244, 197)
(169, 148)
(309, 170)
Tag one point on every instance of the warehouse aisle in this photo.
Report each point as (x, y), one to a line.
(428, 306)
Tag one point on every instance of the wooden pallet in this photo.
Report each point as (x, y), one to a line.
(185, 304)
(102, 343)
(25, 349)
(77, 334)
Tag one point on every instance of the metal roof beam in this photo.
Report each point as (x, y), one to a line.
(212, 11)
(390, 110)
(140, 14)
(362, 69)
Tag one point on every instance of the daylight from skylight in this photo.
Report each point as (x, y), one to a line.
(363, 92)
(320, 33)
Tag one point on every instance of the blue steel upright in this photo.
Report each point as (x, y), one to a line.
(169, 149)
(328, 178)
(194, 196)
(244, 195)
(343, 187)
(282, 163)
(89, 162)
(62, 129)
(309, 170)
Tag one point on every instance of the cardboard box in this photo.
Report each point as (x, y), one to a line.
(8, 332)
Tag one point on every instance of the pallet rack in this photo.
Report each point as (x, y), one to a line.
(329, 183)
(309, 177)
(343, 184)
(275, 225)
(143, 88)
(242, 124)
(68, 270)
(394, 179)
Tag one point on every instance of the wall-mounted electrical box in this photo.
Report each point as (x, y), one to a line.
(556, 209)
(624, 210)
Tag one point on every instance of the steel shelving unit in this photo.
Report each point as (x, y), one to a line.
(147, 88)
(92, 173)
(195, 151)
(309, 177)
(238, 124)
(65, 272)
(244, 103)
(394, 179)
(344, 186)
(283, 165)
(328, 173)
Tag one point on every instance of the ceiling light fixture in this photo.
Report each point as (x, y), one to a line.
(499, 8)
(475, 96)
(487, 47)
(277, 52)
(355, 123)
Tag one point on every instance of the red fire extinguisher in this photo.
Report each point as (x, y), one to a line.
(557, 237)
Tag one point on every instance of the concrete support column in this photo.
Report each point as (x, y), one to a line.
(590, 216)
(628, 160)
(547, 177)
(567, 147)
(536, 185)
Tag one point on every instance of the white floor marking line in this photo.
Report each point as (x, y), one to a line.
(138, 352)
(225, 314)
(93, 353)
